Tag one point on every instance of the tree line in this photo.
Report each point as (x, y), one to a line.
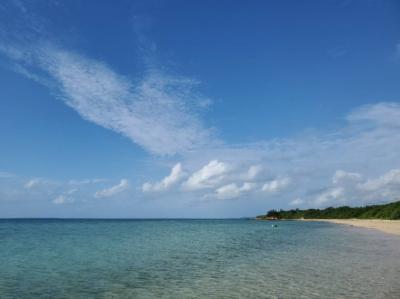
(384, 211)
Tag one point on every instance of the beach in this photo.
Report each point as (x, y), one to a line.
(386, 226)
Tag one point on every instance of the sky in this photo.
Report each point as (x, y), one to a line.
(197, 109)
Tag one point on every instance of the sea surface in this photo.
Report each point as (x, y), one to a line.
(195, 259)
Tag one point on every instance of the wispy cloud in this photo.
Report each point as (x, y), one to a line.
(253, 172)
(157, 112)
(32, 183)
(397, 50)
(337, 52)
(63, 199)
(116, 189)
(296, 202)
(6, 175)
(59, 200)
(37, 183)
(86, 182)
(176, 175)
(66, 197)
(384, 114)
(41, 190)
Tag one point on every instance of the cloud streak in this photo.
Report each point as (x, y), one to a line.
(114, 190)
(157, 112)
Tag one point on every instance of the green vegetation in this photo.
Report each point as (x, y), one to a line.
(386, 211)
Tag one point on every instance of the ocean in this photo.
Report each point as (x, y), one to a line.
(52, 258)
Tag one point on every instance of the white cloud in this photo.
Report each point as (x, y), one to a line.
(154, 114)
(343, 177)
(122, 186)
(232, 190)
(335, 195)
(6, 175)
(176, 175)
(372, 134)
(397, 50)
(337, 52)
(387, 114)
(214, 174)
(387, 184)
(62, 199)
(59, 200)
(157, 112)
(296, 202)
(72, 191)
(353, 188)
(33, 183)
(253, 172)
(86, 181)
(228, 191)
(208, 176)
(276, 185)
(51, 184)
(49, 190)
(248, 186)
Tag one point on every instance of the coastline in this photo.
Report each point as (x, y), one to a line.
(386, 226)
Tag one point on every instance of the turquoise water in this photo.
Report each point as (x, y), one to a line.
(195, 259)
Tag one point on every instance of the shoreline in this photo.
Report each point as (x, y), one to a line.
(386, 226)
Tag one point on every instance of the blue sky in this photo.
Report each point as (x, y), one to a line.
(197, 108)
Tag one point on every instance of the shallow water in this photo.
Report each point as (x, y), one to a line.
(195, 259)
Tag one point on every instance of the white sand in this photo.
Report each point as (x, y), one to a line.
(387, 226)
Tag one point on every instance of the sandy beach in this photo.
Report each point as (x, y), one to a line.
(386, 226)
